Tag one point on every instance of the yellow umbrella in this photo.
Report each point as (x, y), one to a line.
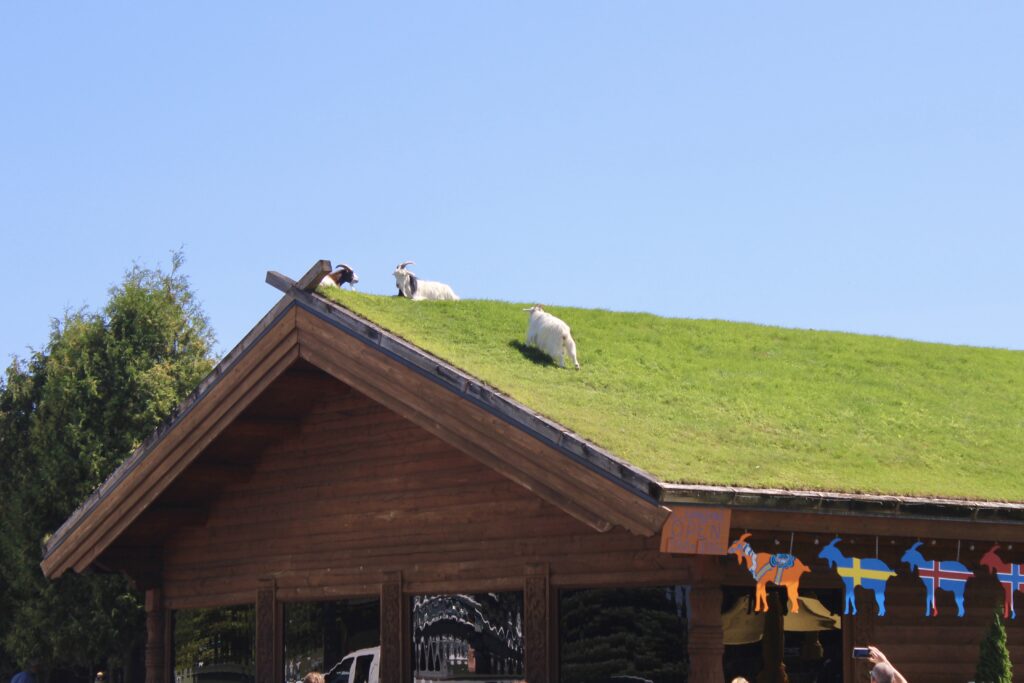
(741, 626)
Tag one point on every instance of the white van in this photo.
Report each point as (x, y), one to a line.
(360, 666)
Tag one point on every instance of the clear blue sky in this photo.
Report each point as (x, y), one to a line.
(842, 166)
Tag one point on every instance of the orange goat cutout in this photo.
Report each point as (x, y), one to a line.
(781, 569)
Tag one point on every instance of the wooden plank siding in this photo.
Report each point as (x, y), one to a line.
(359, 492)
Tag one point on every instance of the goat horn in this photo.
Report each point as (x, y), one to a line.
(342, 265)
(403, 264)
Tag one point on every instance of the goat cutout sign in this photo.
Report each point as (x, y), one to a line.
(947, 575)
(869, 573)
(1010, 576)
(781, 569)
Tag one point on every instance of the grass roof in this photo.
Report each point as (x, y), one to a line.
(714, 402)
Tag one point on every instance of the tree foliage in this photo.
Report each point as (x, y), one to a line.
(69, 415)
(622, 632)
(994, 664)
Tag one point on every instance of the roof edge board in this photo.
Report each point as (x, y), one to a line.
(563, 440)
(179, 413)
(837, 503)
(276, 363)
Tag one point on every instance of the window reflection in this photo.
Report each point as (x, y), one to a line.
(476, 637)
(623, 635)
(215, 645)
(340, 639)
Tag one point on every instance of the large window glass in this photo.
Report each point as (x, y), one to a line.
(623, 635)
(215, 645)
(467, 636)
(339, 639)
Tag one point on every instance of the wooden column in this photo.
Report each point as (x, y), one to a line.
(393, 652)
(269, 635)
(536, 621)
(863, 634)
(704, 622)
(155, 654)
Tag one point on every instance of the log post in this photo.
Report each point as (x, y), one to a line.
(269, 636)
(155, 655)
(536, 620)
(704, 621)
(392, 630)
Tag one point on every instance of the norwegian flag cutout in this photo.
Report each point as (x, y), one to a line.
(947, 575)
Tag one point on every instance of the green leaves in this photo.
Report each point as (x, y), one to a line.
(69, 415)
(994, 664)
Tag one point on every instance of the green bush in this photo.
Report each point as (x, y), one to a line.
(994, 659)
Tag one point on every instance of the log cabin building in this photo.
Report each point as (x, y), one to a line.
(340, 490)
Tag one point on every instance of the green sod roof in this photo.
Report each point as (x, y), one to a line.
(713, 402)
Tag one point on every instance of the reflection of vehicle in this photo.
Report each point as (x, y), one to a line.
(361, 666)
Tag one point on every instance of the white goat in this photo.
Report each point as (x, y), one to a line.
(342, 273)
(550, 335)
(411, 287)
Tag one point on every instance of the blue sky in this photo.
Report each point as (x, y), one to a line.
(854, 167)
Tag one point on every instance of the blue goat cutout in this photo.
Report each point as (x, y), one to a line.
(869, 573)
(948, 575)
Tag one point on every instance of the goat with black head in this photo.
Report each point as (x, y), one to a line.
(342, 274)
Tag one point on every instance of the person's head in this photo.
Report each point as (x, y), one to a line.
(313, 677)
(883, 673)
(739, 679)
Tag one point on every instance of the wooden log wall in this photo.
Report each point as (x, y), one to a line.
(942, 649)
(360, 492)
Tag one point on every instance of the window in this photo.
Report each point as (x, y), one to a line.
(362, 674)
(215, 645)
(468, 635)
(328, 636)
(623, 635)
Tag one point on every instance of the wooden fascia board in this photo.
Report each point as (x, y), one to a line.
(452, 416)
(264, 354)
(873, 525)
(860, 506)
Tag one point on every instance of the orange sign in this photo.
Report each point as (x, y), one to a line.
(696, 530)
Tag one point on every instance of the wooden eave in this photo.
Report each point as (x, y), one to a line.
(852, 512)
(587, 483)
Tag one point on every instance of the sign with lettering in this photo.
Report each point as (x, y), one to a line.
(696, 530)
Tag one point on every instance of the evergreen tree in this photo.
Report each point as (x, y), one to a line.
(994, 659)
(69, 415)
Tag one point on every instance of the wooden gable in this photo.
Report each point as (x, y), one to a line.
(359, 492)
(256, 397)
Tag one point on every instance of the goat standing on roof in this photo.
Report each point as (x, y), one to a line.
(550, 335)
(342, 273)
(411, 287)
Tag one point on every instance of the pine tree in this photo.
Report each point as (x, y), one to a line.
(994, 659)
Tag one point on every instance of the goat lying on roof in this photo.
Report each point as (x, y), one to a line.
(342, 273)
(550, 335)
(411, 287)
